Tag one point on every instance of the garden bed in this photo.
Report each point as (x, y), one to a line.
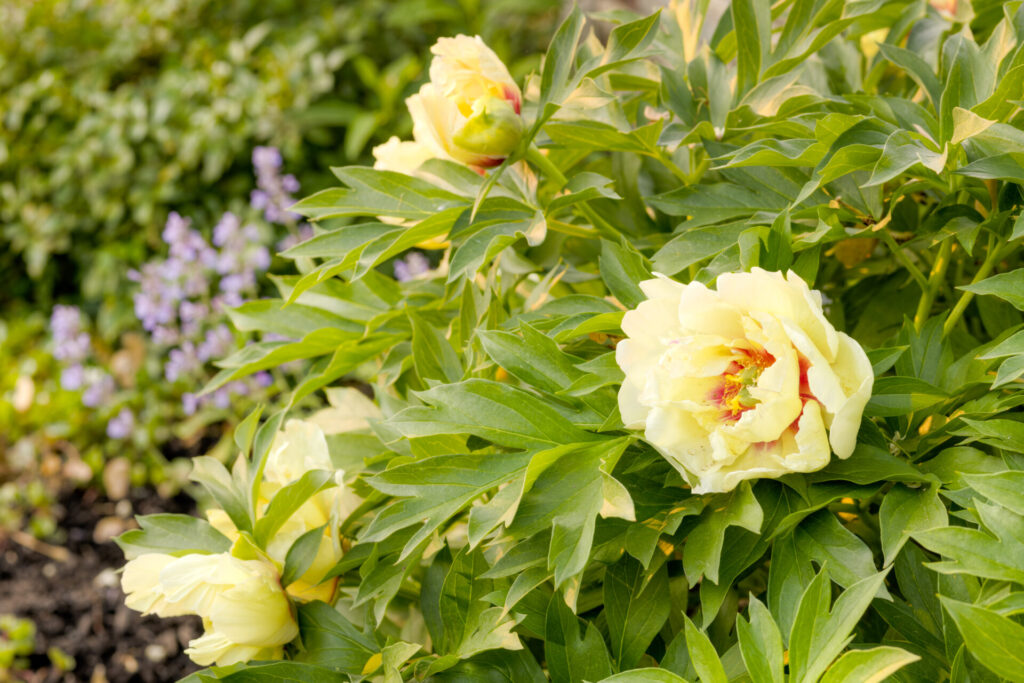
(73, 596)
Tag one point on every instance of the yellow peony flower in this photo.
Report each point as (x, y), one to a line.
(246, 615)
(745, 382)
(469, 111)
(298, 448)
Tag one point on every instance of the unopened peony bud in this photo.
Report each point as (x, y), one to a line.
(494, 128)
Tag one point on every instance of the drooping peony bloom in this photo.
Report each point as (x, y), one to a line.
(745, 382)
(299, 448)
(246, 615)
(469, 111)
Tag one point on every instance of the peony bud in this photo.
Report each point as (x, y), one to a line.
(494, 129)
(469, 112)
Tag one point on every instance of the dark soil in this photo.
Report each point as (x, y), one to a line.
(76, 602)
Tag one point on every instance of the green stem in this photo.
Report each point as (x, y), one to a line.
(534, 156)
(924, 306)
(666, 160)
(571, 229)
(897, 251)
(993, 257)
(541, 162)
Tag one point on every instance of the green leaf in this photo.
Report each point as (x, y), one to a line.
(533, 358)
(277, 672)
(753, 24)
(214, 477)
(1007, 166)
(916, 68)
(823, 539)
(1004, 488)
(868, 666)
(559, 59)
(288, 500)
(330, 640)
(716, 203)
(704, 544)
(904, 511)
(622, 269)
(645, 676)
(373, 192)
(992, 638)
(703, 656)
(574, 649)
(867, 465)
(291, 320)
(301, 555)
(482, 246)
(246, 431)
(819, 632)
(999, 555)
(693, 245)
(172, 534)
(761, 644)
(470, 624)
(571, 485)
(436, 489)
(1007, 286)
(432, 353)
(895, 396)
(500, 413)
(636, 607)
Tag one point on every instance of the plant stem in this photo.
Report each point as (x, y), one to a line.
(991, 259)
(534, 156)
(571, 229)
(938, 273)
(897, 251)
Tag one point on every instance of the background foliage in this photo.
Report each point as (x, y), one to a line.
(512, 529)
(112, 115)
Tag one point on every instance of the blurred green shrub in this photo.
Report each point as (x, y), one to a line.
(113, 112)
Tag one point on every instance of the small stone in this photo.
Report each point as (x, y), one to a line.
(107, 578)
(49, 570)
(117, 478)
(130, 664)
(123, 508)
(156, 653)
(76, 470)
(108, 528)
(99, 674)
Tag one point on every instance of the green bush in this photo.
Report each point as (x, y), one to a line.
(114, 112)
(719, 379)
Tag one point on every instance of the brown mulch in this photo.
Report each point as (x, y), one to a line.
(74, 597)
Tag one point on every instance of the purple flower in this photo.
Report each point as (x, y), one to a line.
(190, 403)
(221, 398)
(71, 343)
(218, 343)
(227, 227)
(99, 390)
(266, 158)
(72, 378)
(121, 425)
(182, 362)
(175, 229)
(263, 379)
(413, 265)
(274, 195)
